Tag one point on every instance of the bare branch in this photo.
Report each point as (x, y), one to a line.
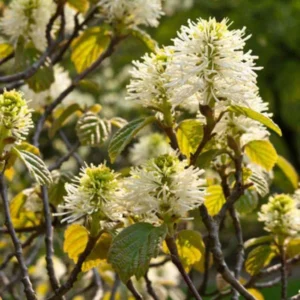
(132, 289)
(150, 289)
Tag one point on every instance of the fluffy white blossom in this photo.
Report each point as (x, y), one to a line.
(149, 146)
(281, 215)
(28, 18)
(164, 188)
(94, 192)
(148, 83)
(132, 12)
(209, 61)
(15, 117)
(61, 82)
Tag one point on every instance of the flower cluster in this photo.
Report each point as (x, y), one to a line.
(15, 117)
(281, 215)
(95, 191)
(29, 19)
(149, 146)
(133, 12)
(164, 188)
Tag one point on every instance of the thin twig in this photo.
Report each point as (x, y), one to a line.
(283, 271)
(132, 289)
(29, 292)
(150, 289)
(49, 241)
(115, 287)
(170, 241)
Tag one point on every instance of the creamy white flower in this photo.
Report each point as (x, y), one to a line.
(147, 85)
(281, 215)
(296, 196)
(15, 117)
(28, 18)
(61, 82)
(209, 61)
(149, 146)
(132, 12)
(164, 188)
(95, 191)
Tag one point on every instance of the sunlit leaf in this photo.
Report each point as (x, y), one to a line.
(214, 199)
(288, 170)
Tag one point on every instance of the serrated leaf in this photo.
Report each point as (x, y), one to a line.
(189, 134)
(80, 5)
(259, 258)
(133, 248)
(91, 130)
(89, 46)
(288, 170)
(61, 120)
(5, 50)
(124, 136)
(36, 167)
(76, 238)
(254, 115)
(246, 203)
(145, 38)
(44, 76)
(256, 241)
(191, 248)
(260, 183)
(262, 153)
(214, 199)
(293, 247)
(118, 122)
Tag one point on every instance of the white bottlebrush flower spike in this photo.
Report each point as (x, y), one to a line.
(281, 215)
(132, 12)
(15, 117)
(148, 83)
(147, 147)
(94, 192)
(164, 188)
(209, 61)
(29, 19)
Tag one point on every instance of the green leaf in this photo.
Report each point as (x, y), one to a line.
(91, 130)
(293, 247)
(256, 241)
(118, 122)
(133, 248)
(5, 50)
(36, 167)
(80, 5)
(60, 121)
(246, 203)
(259, 258)
(254, 115)
(191, 248)
(288, 170)
(44, 77)
(189, 134)
(57, 189)
(262, 153)
(124, 136)
(214, 199)
(143, 36)
(205, 158)
(89, 46)
(260, 183)
(17, 203)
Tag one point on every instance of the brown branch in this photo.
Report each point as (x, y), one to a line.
(170, 241)
(150, 289)
(29, 292)
(132, 289)
(283, 271)
(49, 241)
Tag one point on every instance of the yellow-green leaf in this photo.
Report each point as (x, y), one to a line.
(288, 170)
(145, 38)
(256, 241)
(259, 258)
(254, 115)
(5, 50)
(16, 204)
(76, 238)
(61, 120)
(214, 199)
(89, 46)
(262, 153)
(256, 294)
(80, 5)
(190, 247)
(293, 247)
(189, 134)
